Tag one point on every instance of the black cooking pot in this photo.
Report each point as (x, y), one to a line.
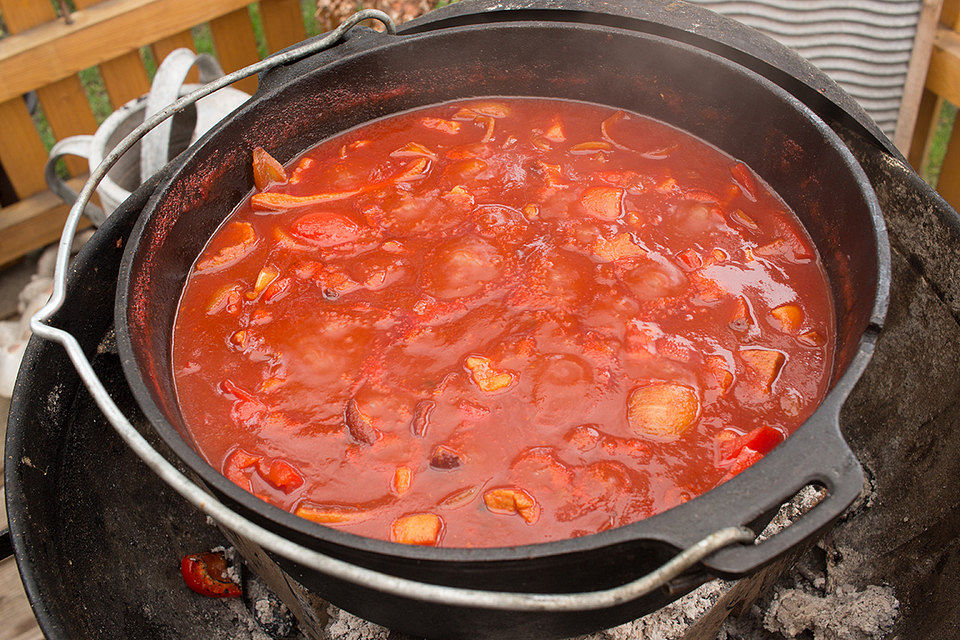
(551, 52)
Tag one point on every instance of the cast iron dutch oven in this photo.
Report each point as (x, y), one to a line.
(557, 53)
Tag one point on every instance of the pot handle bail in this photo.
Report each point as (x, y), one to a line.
(198, 497)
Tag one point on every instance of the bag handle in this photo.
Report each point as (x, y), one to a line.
(71, 146)
(312, 559)
(166, 87)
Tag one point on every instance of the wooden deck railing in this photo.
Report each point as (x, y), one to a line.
(45, 52)
(942, 86)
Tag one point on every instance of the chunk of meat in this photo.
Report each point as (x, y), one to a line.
(512, 500)
(359, 425)
(444, 458)
(327, 229)
(651, 280)
(439, 124)
(718, 370)
(605, 203)
(621, 246)
(424, 529)
(663, 410)
(266, 169)
(413, 150)
(555, 132)
(462, 267)
(765, 364)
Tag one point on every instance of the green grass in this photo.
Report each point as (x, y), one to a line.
(938, 146)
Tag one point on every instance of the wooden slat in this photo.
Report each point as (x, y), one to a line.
(916, 74)
(20, 15)
(944, 75)
(33, 223)
(162, 48)
(950, 15)
(64, 102)
(236, 45)
(124, 77)
(68, 112)
(56, 50)
(949, 184)
(282, 23)
(928, 114)
(21, 151)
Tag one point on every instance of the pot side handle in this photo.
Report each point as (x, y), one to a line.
(826, 462)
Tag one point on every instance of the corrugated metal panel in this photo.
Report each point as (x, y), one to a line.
(864, 45)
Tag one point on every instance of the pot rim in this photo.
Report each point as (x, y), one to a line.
(666, 527)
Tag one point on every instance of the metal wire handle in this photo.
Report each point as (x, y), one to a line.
(201, 499)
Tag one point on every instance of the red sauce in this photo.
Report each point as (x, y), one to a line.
(498, 322)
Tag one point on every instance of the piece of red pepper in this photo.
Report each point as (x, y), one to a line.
(206, 573)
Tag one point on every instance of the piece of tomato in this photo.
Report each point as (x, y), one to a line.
(206, 574)
(326, 229)
(280, 474)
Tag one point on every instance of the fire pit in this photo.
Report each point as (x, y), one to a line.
(99, 508)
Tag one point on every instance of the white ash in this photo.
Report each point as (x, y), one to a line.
(845, 614)
(232, 556)
(346, 626)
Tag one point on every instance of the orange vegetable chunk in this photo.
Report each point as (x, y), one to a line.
(663, 410)
(266, 170)
(605, 203)
(419, 528)
(279, 201)
(332, 514)
(240, 238)
(789, 316)
(586, 148)
(765, 364)
(512, 500)
(485, 376)
(401, 480)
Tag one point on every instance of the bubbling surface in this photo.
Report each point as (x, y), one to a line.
(500, 321)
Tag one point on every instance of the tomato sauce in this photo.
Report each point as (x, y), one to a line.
(500, 321)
